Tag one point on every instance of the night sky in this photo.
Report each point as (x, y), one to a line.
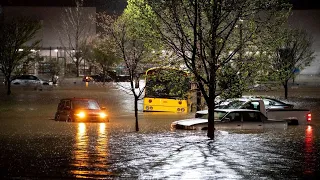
(101, 5)
(119, 5)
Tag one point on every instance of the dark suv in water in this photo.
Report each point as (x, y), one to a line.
(80, 110)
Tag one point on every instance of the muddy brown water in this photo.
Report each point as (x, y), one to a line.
(34, 146)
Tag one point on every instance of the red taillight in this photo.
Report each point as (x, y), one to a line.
(180, 102)
(309, 117)
(150, 100)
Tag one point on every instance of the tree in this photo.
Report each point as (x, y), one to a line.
(104, 56)
(132, 49)
(75, 32)
(16, 44)
(294, 52)
(206, 35)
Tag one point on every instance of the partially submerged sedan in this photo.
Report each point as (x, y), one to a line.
(236, 119)
(80, 110)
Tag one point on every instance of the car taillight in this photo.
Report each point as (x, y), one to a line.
(309, 117)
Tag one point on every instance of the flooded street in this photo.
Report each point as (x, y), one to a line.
(34, 146)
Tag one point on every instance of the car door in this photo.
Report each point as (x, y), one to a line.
(33, 80)
(64, 110)
(251, 120)
(231, 121)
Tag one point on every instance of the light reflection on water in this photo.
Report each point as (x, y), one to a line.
(309, 153)
(190, 155)
(114, 149)
(90, 151)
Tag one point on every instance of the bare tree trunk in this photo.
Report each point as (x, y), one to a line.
(285, 85)
(211, 105)
(8, 85)
(199, 100)
(77, 67)
(136, 112)
(136, 82)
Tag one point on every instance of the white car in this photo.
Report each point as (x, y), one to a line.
(29, 80)
(239, 103)
(238, 119)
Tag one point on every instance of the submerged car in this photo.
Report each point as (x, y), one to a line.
(240, 103)
(80, 110)
(29, 80)
(234, 119)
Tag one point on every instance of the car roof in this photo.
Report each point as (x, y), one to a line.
(74, 98)
(23, 76)
(227, 110)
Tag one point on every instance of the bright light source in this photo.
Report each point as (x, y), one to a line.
(20, 50)
(103, 115)
(32, 50)
(81, 115)
(56, 50)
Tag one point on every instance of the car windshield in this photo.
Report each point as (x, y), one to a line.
(234, 104)
(218, 115)
(85, 104)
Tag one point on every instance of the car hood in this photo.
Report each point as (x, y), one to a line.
(190, 122)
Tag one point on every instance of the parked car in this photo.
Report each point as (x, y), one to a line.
(97, 78)
(29, 80)
(80, 110)
(238, 119)
(270, 103)
(87, 79)
(292, 116)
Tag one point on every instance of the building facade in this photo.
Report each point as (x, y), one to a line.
(57, 35)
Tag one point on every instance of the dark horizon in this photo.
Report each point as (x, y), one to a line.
(119, 5)
(101, 5)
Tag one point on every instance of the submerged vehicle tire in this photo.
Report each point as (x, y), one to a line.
(69, 119)
(57, 117)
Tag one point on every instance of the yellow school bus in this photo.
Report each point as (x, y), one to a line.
(166, 90)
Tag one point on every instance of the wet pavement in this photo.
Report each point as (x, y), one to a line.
(34, 146)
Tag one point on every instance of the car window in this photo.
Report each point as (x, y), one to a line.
(85, 104)
(61, 105)
(202, 116)
(218, 115)
(68, 103)
(234, 117)
(267, 102)
(234, 104)
(251, 117)
(33, 78)
(250, 105)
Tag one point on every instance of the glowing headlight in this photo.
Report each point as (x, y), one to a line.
(103, 115)
(81, 115)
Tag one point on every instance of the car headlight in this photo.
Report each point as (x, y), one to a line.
(81, 115)
(102, 115)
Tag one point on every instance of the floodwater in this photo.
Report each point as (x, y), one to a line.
(34, 146)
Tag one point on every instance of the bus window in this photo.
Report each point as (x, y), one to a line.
(166, 90)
